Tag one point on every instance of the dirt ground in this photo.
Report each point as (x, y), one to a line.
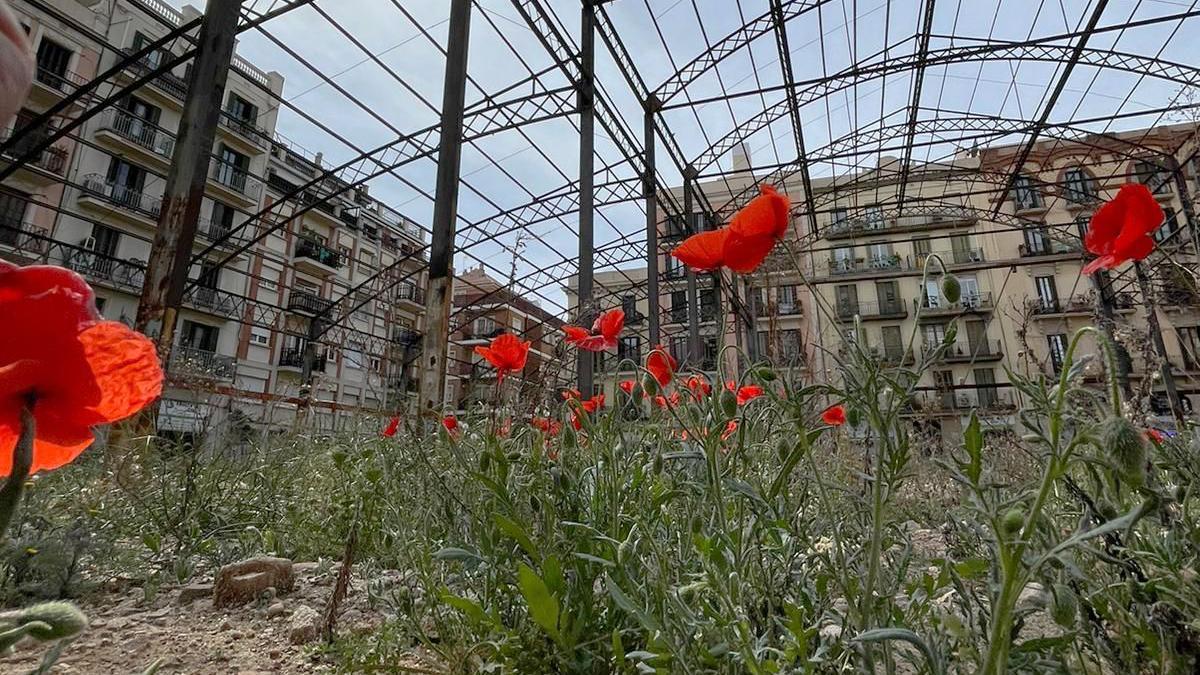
(127, 634)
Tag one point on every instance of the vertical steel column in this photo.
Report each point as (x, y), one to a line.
(1160, 347)
(752, 324)
(170, 254)
(440, 288)
(695, 348)
(651, 225)
(587, 198)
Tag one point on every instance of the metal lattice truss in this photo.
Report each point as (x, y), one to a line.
(820, 90)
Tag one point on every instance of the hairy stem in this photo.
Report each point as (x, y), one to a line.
(22, 463)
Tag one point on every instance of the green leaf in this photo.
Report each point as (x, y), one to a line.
(595, 559)
(516, 532)
(1111, 526)
(885, 634)
(972, 568)
(456, 554)
(627, 605)
(543, 607)
(973, 440)
(469, 608)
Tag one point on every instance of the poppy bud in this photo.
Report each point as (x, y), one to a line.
(53, 620)
(728, 402)
(658, 463)
(765, 374)
(853, 416)
(650, 385)
(1127, 447)
(1064, 606)
(514, 455)
(951, 288)
(1012, 522)
(569, 436)
(951, 333)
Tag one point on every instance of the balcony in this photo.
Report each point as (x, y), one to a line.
(131, 131)
(169, 83)
(26, 241)
(201, 363)
(969, 352)
(1047, 247)
(131, 201)
(309, 304)
(315, 257)
(1078, 305)
(216, 233)
(212, 301)
(872, 265)
(411, 293)
(44, 168)
(958, 401)
(846, 311)
(293, 360)
(680, 314)
(957, 256)
(235, 182)
(256, 137)
(122, 275)
(913, 221)
(933, 306)
(892, 354)
(54, 85)
(406, 336)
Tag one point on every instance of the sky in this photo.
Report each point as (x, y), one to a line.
(399, 90)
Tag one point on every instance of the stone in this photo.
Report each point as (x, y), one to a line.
(303, 626)
(192, 592)
(275, 654)
(241, 582)
(277, 609)
(305, 567)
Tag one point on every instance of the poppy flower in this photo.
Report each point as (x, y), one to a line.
(505, 429)
(667, 401)
(748, 393)
(834, 416)
(392, 427)
(627, 386)
(546, 425)
(78, 370)
(661, 366)
(755, 229)
(745, 242)
(1156, 435)
(450, 424)
(604, 333)
(698, 386)
(506, 353)
(703, 252)
(594, 403)
(1120, 230)
(568, 394)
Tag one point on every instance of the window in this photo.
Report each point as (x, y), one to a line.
(353, 356)
(893, 344)
(838, 217)
(484, 326)
(1037, 241)
(140, 42)
(933, 293)
(1189, 344)
(710, 353)
(630, 347)
(101, 303)
(788, 302)
(629, 306)
(888, 294)
(943, 383)
(961, 250)
(260, 337)
(199, 336)
(366, 257)
(1169, 226)
(679, 348)
(222, 220)
(874, 217)
(53, 62)
(847, 300)
(1078, 186)
(708, 304)
(922, 248)
(1047, 292)
(934, 334)
(985, 388)
(679, 306)
(1152, 176)
(674, 267)
(843, 259)
(970, 295)
(269, 280)
(12, 215)
(241, 109)
(977, 340)
(1025, 194)
(880, 254)
(140, 122)
(231, 168)
(764, 345)
(126, 181)
(1057, 344)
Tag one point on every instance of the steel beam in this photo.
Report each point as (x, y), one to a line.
(587, 197)
(651, 227)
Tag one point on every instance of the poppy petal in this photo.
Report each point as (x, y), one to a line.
(765, 215)
(575, 333)
(703, 252)
(1101, 263)
(744, 254)
(611, 323)
(57, 442)
(1104, 227)
(125, 366)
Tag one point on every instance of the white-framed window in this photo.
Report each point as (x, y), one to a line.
(483, 326)
(1026, 194)
(268, 279)
(1058, 350)
(260, 337)
(353, 354)
(1078, 186)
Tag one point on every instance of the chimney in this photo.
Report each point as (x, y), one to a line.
(741, 157)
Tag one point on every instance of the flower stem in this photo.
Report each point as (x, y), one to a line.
(22, 462)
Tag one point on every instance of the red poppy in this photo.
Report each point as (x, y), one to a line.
(594, 403)
(78, 370)
(627, 386)
(1120, 230)
(745, 242)
(392, 427)
(703, 252)
(731, 428)
(834, 416)
(661, 365)
(450, 423)
(506, 353)
(748, 393)
(604, 333)
(667, 401)
(698, 386)
(546, 425)
(1156, 435)
(568, 394)
(505, 429)
(755, 229)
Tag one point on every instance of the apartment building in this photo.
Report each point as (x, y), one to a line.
(484, 308)
(92, 204)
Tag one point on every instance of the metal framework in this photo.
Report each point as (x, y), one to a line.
(583, 127)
